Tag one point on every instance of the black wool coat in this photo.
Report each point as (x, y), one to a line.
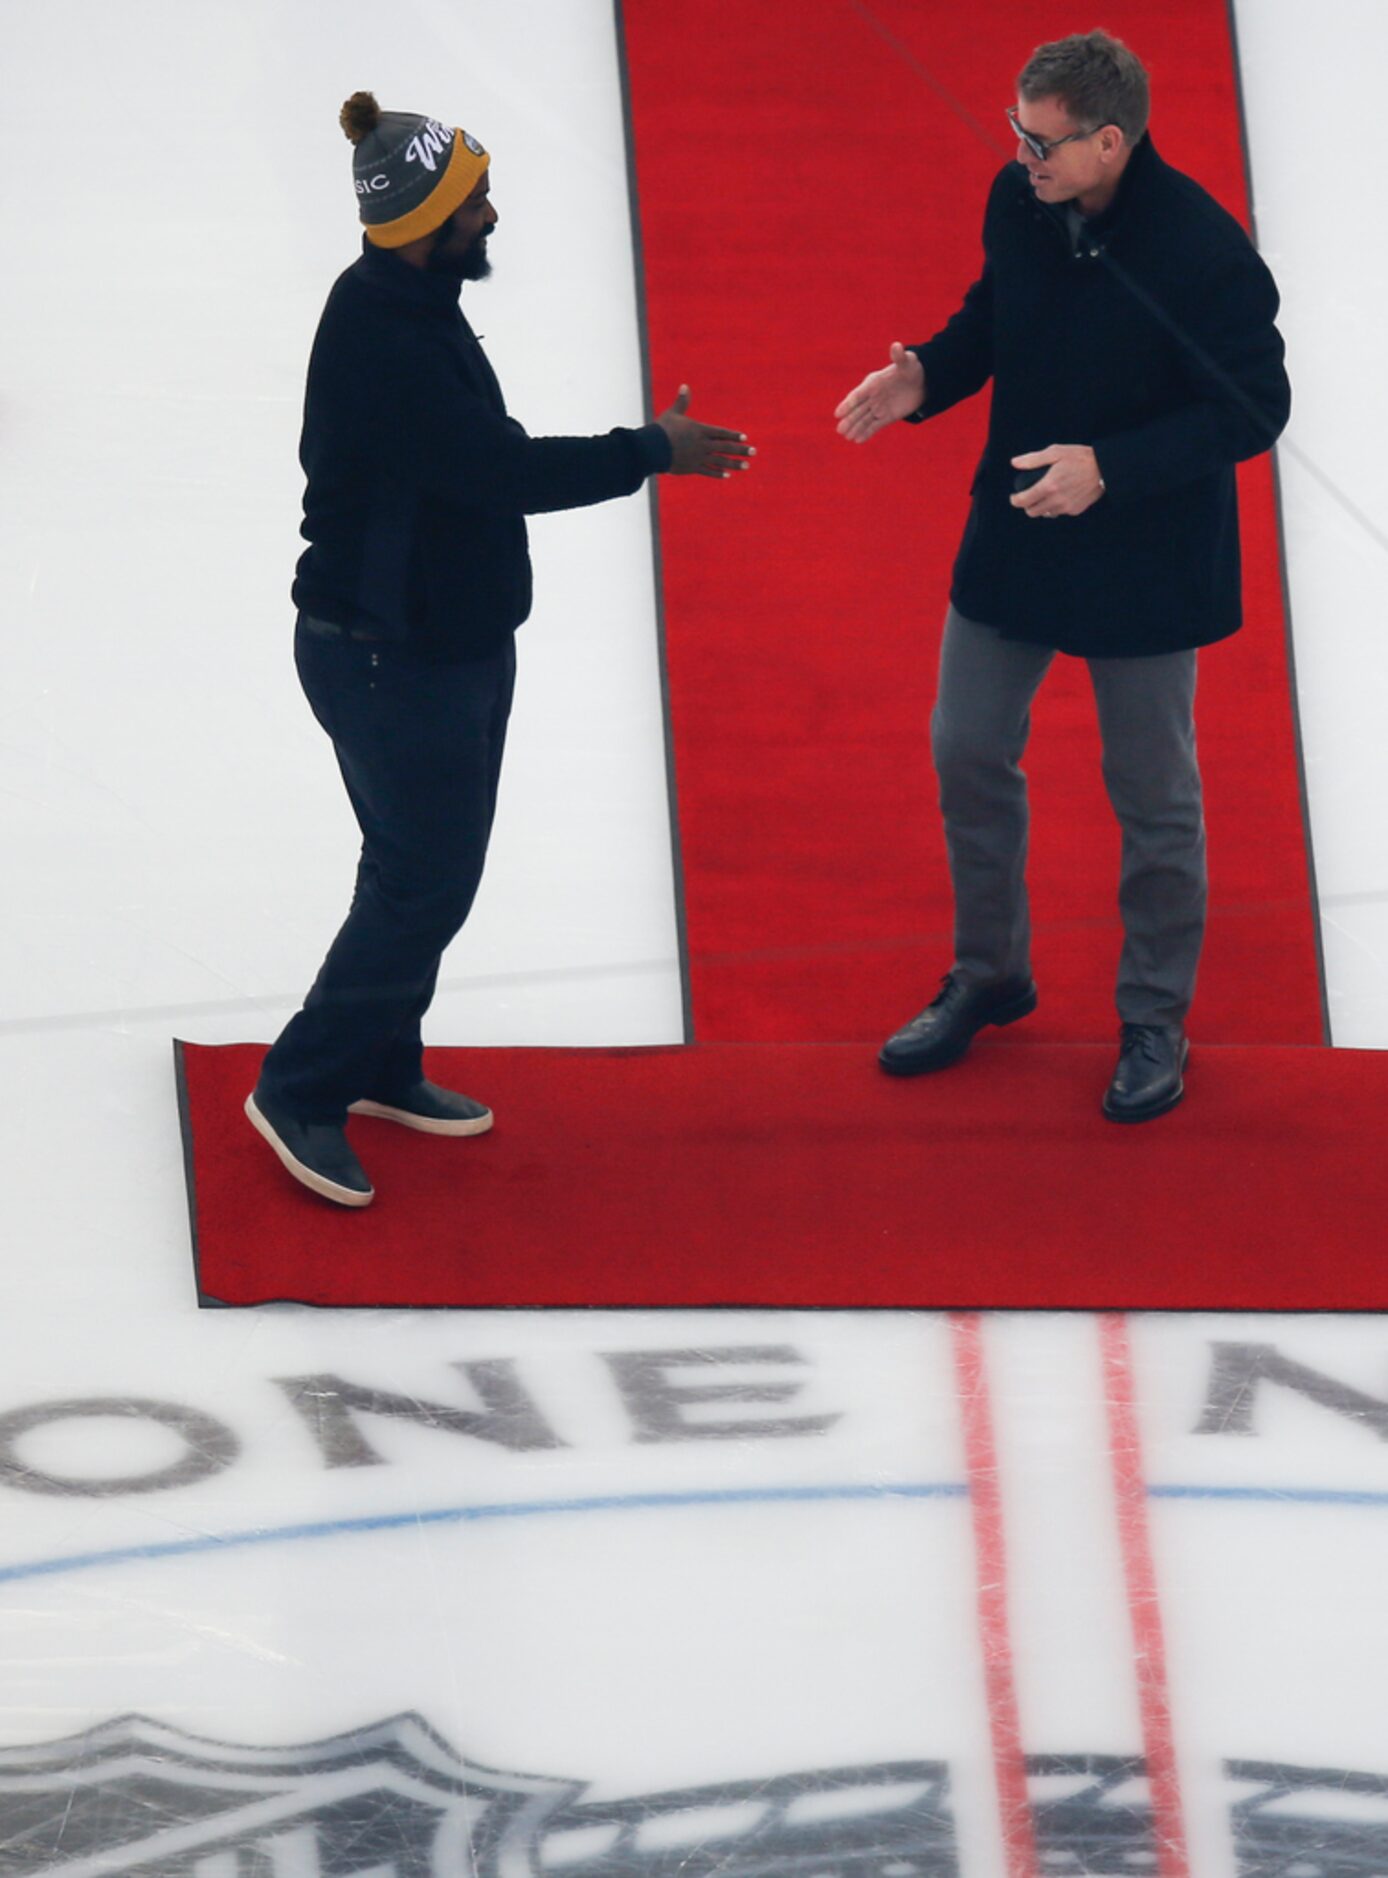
(418, 482)
(1153, 341)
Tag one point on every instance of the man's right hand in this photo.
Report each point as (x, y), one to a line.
(701, 449)
(883, 397)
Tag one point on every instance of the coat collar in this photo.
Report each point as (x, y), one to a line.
(1139, 173)
(388, 274)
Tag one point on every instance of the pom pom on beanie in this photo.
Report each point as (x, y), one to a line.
(409, 172)
(359, 116)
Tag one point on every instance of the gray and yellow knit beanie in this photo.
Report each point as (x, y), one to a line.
(411, 173)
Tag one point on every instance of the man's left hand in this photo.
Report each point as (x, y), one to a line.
(1071, 485)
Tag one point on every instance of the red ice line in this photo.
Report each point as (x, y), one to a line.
(1130, 1488)
(985, 1498)
(1153, 1690)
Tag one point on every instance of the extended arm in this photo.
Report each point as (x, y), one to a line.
(920, 381)
(464, 451)
(958, 361)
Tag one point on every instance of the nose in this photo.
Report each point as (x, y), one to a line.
(492, 217)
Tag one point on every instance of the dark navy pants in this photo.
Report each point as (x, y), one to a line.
(419, 746)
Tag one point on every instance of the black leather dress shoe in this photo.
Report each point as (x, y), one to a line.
(1148, 1080)
(315, 1153)
(949, 1023)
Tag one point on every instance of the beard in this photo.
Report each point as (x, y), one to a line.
(470, 263)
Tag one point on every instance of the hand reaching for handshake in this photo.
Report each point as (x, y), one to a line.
(1065, 478)
(883, 397)
(702, 449)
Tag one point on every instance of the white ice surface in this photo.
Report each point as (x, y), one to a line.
(1313, 219)
(628, 1613)
(174, 813)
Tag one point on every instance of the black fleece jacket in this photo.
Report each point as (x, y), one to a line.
(1152, 340)
(418, 481)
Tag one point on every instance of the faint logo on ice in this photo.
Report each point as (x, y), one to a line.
(884, 1821)
(136, 1799)
(1308, 1822)
(1093, 1816)
(392, 1801)
(141, 1800)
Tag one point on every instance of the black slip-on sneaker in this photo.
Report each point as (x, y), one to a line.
(315, 1153)
(433, 1111)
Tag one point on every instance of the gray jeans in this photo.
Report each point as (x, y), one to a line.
(1147, 728)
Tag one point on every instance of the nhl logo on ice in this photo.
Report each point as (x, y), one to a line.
(135, 1798)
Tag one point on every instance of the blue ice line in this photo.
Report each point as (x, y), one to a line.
(631, 1502)
(460, 1515)
(1279, 1496)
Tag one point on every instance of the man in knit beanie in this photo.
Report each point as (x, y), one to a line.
(409, 593)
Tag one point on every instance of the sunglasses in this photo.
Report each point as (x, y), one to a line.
(1041, 147)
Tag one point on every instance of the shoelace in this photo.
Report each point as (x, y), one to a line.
(1144, 1038)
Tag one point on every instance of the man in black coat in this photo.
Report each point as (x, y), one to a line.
(416, 576)
(1126, 322)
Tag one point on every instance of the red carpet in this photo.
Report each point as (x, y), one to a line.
(807, 196)
(811, 182)
(795, 1175)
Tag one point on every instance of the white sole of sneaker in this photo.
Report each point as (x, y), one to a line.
(426, 1124)
(316, 1183)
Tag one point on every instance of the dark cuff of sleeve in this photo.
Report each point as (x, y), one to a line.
(922, 410)
(1110, 463)
(654, 447)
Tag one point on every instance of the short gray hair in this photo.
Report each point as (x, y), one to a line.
(1096, 78)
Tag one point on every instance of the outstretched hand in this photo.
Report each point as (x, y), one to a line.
(701, 449)
(896, 391)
